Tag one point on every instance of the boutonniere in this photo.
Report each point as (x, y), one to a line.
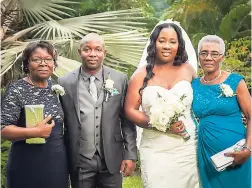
(58, 90)
(109, 88)
(226, 91)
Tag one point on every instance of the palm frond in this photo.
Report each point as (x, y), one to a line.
(65, 65)
(126, 46)
(108, 22)
(122, 49)
(10, 56)
(44, 10)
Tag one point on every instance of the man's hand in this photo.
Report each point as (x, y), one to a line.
(127, 167)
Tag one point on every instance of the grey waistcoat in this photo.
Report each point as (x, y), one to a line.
(90, 116)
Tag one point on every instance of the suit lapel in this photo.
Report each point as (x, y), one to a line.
(75, 91)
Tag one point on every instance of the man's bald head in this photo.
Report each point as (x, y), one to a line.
(92, 37)
(92, 52)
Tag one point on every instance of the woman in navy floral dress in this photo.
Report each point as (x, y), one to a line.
(35, 165)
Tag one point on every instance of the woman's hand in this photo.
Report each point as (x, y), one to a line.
(240, 157)
(44, 128)
(178, 127)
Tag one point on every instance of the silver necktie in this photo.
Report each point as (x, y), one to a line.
(92, 88)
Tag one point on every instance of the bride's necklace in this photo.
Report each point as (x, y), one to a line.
(29, 79)
(208, 81)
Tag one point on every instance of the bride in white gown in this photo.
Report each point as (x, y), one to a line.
(167, 160)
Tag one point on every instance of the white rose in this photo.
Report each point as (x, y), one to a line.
(58, 89)
(179, 107)
(109, 84)
(163, 119)
(153, 120)
(227, 90)
(170, 97)
(169, 112)
(187, 100)
(156, 110)
(228, 93)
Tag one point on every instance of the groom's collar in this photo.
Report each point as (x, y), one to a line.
(86, 75)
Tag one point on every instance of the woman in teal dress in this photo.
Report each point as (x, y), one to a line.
(219, 99)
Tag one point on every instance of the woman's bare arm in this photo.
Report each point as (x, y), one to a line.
(133, 100)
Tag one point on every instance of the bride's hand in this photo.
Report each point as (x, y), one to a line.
(177, 127)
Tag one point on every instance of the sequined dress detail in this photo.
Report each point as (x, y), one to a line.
(220, 126)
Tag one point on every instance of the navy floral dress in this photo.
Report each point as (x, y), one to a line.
(34, 165)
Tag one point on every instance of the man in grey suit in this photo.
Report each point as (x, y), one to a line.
(101, 142)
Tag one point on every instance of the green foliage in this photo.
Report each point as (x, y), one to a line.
(159, 6)
(97, 6)
(196, 38)
(132, 182)
(234, 65)
(5, 146)
(227, 18)
(239, 48)
(191, 14)
(239, 58)
(232, 22)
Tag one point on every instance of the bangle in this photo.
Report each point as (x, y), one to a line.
(247, 148)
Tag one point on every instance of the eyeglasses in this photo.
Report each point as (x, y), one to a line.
(38, 61)
(214, 55)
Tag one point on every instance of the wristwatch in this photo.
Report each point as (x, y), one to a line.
(246, 147)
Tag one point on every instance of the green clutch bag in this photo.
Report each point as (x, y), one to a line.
(33, 115)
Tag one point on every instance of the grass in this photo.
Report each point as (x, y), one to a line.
(132, 182)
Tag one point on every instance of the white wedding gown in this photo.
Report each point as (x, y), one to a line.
(167, 161)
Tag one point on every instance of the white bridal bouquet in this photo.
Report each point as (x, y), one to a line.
(165, 111)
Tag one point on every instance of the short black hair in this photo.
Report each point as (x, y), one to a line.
(31, 47)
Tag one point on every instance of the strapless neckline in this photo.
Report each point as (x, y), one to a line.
(179, 82)
(181, 88)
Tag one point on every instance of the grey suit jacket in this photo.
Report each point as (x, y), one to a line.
(118, 133)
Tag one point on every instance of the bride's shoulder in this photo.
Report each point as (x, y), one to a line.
(188, 68)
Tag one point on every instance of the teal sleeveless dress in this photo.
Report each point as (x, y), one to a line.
(220, 126)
